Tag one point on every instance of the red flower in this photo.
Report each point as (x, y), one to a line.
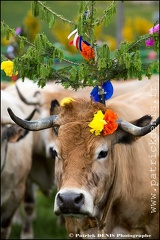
(111, 125)
(14, 77)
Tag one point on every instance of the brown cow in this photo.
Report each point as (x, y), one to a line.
(105, 183)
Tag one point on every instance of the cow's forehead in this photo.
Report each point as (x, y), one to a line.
(79, 110)
(76, 135)
(74, 131)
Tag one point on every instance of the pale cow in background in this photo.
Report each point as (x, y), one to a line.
(16, 159)
(4, 84)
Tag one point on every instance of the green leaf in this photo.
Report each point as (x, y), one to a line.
(52, 22)
(109, 12)
(73, 74)
(35, 8)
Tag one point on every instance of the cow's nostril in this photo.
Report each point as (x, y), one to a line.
(60, 199)
(79, 199)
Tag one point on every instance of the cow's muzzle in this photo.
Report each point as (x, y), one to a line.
(73, 202)
(70, 202)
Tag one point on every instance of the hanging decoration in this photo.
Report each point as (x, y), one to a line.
(85, 48)
(106, 89)
(99, 93)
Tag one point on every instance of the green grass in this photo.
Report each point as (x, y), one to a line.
(45, 222)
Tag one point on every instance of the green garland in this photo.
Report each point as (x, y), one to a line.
(37, 63)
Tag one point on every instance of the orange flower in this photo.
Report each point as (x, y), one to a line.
(87, 52)
(111, 125)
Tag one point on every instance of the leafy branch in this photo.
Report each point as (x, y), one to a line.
(46, 13)
(39, 61)
(107, 14)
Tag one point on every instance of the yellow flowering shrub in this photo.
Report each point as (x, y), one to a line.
(7, 66)
(141, 26)
(6, 42)
(127, 31)
(32, 25)
(135, 27)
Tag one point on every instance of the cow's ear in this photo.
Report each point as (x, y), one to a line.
(126, 138)
(16, 133)
(54, 108)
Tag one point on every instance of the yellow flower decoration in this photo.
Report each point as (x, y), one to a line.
(97, 124)
(7, 66)
(105, 123)
(66, 100)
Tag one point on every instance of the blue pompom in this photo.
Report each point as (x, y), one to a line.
(108, 89)
(94, 94)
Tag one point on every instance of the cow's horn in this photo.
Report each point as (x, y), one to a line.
(7, 120)
(137, 131)
(36, 125)
(33, 101)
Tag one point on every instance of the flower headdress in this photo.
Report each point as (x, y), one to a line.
(105, 123)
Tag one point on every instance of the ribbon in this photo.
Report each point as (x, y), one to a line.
(86, 51)
(70, 35)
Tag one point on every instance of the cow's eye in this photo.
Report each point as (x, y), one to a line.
(55, 129)
(53, 152)
(102, 154)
